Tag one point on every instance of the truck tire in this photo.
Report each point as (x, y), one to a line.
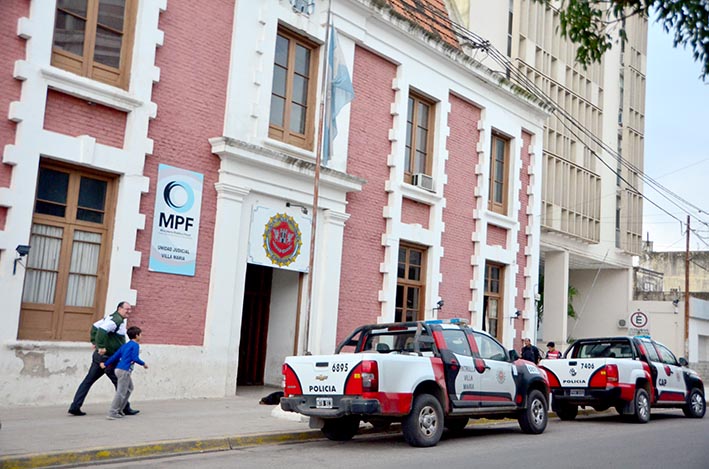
(424, 425)
(566, 411)
(696, 405)
(456, 424)
(534, 418)
(342, 429)
(641, 406)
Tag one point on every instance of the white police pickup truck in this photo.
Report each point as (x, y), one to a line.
(631, 374)
(426, 374)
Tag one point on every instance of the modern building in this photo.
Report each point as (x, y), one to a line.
(144, 160)
(591, 204)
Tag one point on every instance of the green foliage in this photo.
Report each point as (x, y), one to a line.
(571, 312)
(589, 23)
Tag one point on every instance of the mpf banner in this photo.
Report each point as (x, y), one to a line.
(178, 200)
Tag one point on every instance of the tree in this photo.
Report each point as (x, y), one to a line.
(589, 24)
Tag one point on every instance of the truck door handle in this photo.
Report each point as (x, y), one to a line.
(572, 363)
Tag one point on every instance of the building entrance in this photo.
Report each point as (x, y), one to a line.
(254, 325)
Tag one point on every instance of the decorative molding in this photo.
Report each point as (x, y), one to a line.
(90, 90)
(231, 192)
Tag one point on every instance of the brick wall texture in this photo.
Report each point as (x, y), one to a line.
(73, 116)
(369, 145)
(415, 213)
(12, 49)
(496, 236)
(457, 241)
(522, 237)
(191, 98)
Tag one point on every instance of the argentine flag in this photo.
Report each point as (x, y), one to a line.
(339, 92)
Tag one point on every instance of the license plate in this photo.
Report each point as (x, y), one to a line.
(577, 392)
(323, 402)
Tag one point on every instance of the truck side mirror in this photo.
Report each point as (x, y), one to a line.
(683, 361)
(514, 356)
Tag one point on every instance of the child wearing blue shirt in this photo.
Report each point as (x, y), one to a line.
(125, 356)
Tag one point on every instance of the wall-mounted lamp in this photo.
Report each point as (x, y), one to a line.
(518, 314)
(22, 251)
(439, 305)
(303, 208)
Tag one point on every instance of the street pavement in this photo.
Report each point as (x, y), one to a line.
(45, 436)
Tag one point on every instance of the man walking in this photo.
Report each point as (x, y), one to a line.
(107, 336)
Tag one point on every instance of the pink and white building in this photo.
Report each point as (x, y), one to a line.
(163, 153)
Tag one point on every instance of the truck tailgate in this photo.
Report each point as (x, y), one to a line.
(575, 372)
(325, 374)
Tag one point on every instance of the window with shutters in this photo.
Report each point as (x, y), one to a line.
(411, 284)
(419, 137)
(492, 305)
(66, 270)
(94, 38)
(293, 92)
(499, 174)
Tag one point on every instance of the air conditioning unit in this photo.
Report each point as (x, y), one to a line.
(424, 181)
(622, 323)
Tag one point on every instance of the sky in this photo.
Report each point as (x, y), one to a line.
(676, 143)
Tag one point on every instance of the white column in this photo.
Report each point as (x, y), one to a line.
(556, 297)
(326, 282)
(223, 322)
(23, 156)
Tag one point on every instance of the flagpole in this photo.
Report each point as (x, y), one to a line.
(316, 182)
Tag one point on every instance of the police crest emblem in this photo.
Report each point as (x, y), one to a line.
(282, 239)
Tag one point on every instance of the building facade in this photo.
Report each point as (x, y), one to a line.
(145, 161)
(593, 154)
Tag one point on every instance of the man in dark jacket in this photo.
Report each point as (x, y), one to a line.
(107, 336)
(530, 352)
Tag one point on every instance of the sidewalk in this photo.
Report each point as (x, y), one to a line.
(47, 436)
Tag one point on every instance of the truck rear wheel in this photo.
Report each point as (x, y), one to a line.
(342, 429)
(696, 405)
(641, 406)
(534, 418)
(424, 425)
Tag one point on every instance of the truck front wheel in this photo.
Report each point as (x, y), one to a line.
(696, 405)
(342, 429)
(424, 425)
(534, 418)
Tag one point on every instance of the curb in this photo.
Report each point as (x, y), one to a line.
(180, 447)
(164, 448)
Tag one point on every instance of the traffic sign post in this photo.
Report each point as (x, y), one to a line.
(638, 323)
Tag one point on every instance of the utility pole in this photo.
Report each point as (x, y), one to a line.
(686, 296)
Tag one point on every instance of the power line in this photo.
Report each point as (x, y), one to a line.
(511, 70)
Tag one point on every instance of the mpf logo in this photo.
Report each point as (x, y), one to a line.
(179, 196)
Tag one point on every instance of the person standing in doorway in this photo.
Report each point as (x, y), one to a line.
(107, 336)
(123, 360)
